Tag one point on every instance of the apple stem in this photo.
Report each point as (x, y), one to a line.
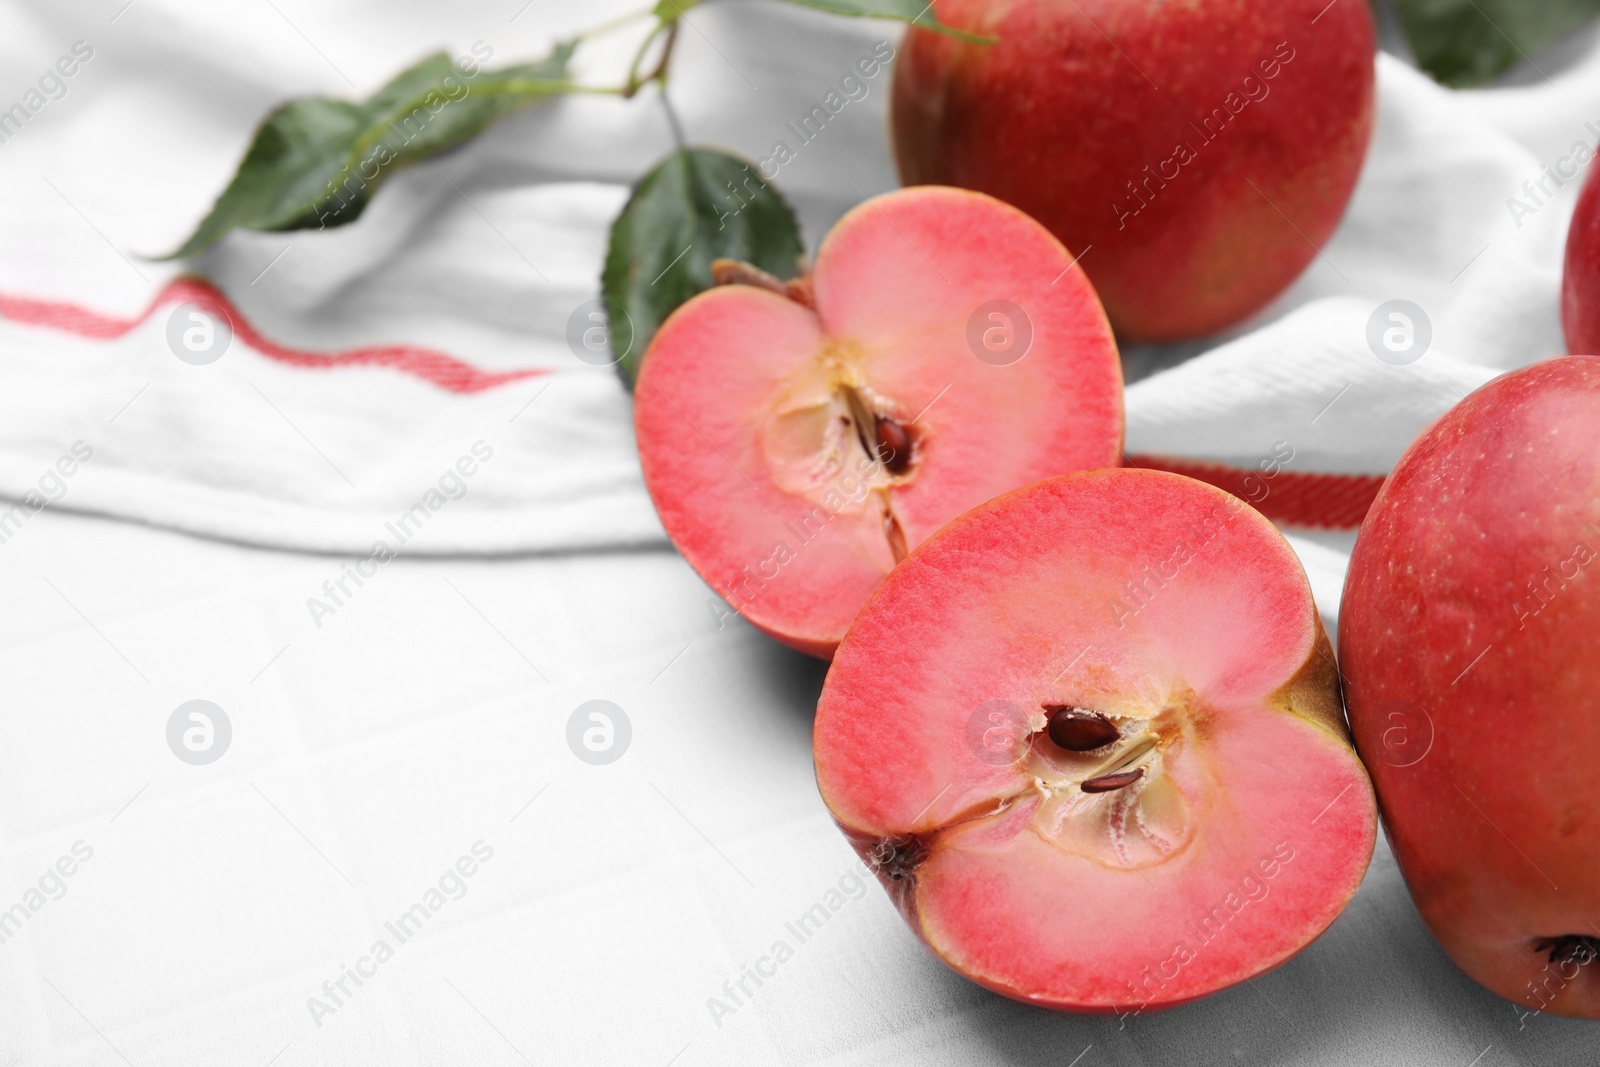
(1569, 948)
(738, 272)
(637, 81)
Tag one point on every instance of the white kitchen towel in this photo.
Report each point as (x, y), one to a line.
(368, 362)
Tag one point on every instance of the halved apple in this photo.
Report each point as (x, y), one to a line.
(798, 440)
(1089, 737)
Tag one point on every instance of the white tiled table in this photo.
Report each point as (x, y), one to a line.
(371, 754)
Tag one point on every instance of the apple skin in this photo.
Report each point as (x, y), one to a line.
(1062, 116)
(1580, 278)
(1468, 642)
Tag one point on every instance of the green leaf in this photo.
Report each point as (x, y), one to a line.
(1467, 42)
(317, 162)
(696, 206)
(672, 10)
(916, 12)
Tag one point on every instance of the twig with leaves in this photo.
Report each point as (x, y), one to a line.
(317, 162)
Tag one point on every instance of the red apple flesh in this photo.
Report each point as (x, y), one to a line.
(1468, 640)
(797, 446)
(1197, 154)
(1089, 738)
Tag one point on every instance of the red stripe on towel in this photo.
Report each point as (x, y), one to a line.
(1295, 498)
(431, 365)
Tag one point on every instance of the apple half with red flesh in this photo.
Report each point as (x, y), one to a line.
(799, 440)
(1469, 640)
(1089, 737)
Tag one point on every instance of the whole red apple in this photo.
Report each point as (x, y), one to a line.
(1089, 738)
(1195, 154)
(1470, 641)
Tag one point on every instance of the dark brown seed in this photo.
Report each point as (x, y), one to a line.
(1079, 730)
(894, 445)
(1107, 782)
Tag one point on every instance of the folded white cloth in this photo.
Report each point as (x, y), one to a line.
(480, 258)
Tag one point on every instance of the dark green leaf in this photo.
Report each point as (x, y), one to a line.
(916, 12)
(695, 207)
(317, 162)
(1467, 42)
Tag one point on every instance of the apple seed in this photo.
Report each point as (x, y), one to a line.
(1109, 782)
(894, 445)
(1079, 729)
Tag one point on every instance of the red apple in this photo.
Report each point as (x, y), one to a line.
(1196, 154)
(797, 443)
(1580, 279)
(1089, 738)
(1468, 639)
